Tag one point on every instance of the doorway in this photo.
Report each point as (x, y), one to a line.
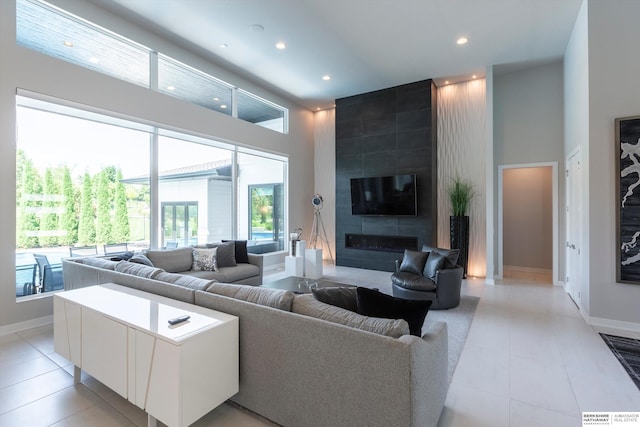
(528, 222)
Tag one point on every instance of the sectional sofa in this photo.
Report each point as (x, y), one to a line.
(303, 362)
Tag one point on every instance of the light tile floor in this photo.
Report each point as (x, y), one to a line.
(529, 360)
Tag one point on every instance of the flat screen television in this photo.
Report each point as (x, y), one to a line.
(384, 195)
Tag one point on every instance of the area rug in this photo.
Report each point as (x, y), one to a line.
(458, 322)
(627, 350)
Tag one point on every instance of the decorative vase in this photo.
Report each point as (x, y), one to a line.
(459, 239)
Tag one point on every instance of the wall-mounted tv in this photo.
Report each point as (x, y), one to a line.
(384, 195)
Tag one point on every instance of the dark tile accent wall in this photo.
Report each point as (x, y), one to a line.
(386, 132)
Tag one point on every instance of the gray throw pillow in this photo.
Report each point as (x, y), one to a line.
(226, 255)
(343, 297)
(450, 255)
(434, 263)
(413, 261)
(141, 259)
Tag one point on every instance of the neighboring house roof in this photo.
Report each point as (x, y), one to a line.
(220, 170)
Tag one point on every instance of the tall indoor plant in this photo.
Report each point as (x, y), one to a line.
(460, 195)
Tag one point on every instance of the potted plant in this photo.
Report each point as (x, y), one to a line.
(460, 195)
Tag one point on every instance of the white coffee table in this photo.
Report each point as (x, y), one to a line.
(121, 337)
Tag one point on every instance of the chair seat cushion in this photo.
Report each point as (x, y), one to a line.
(413, 282)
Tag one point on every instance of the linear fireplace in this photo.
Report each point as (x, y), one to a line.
(371, 242)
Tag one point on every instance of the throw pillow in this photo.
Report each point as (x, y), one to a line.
(241, 251)
(141, 259)
(451, 255)
(435, 261)
(376, 304)
(413, 261)
(226, 255)
(123, 257)
(340, 297)
(204, 259)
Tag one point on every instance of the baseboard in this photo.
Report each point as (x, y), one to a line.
(489, 282)
(612, 325)
(527, 269)
(27, 324)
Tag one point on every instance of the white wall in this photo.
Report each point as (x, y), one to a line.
(23, 68)
(528, 126)
(614, 68)
(461, 152)
(527, 219)
(325, 174)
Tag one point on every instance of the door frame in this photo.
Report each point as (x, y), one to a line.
(574, 289)
(554, 214)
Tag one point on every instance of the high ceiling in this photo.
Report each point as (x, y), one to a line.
(363, 45)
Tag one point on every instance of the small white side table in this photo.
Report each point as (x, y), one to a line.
(294, 265)
(313, 263)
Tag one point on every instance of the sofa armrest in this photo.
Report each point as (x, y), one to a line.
(449, 276)
(258, 261)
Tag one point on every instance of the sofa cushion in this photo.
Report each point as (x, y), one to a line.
(275, 298)
(241, 250)
(107, 264)
(172, 260)
(451, 255)
(413, 261)
(226, 255)
(139, 270)
(308, 305)
(413, 282)
(239, 272)
(376, 304)
(140, 258)
(205, 259)
(342, 297)
(435, 261)
(186, 281)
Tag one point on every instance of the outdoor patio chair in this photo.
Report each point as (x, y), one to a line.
(50, 275)
(25, 280)
(116, 248)
(75, 251)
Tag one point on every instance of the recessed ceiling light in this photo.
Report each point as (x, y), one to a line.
(326, 77)
(171, 87)
(317, 108)
(68, 43)
(281, 45)
(216, 99)
(223, 106)
(446, 82)
(224, 45)
(462, 40)
(94, 60)
(474, 76)
(257, 27)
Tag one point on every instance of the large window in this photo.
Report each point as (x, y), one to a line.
(86, 180)
(55, 32)
(196, 179)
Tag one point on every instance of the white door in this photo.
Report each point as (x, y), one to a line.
(572, 276)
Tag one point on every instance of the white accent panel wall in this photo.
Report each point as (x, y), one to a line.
(325, 174)
(461, 152)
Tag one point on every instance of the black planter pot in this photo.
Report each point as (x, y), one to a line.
(459, 239)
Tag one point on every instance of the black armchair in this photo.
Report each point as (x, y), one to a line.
(50, 274)
(423, 276)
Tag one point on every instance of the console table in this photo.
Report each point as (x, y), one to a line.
(121, 337)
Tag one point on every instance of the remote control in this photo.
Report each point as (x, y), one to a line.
(179, 319)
